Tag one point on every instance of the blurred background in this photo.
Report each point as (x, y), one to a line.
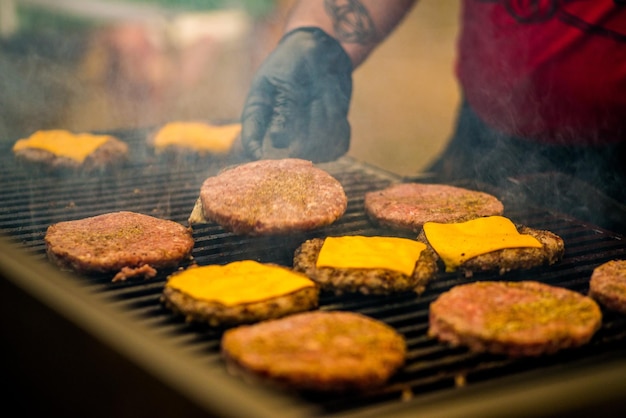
(97, 65)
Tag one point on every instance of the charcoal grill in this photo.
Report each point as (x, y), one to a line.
(84, 346)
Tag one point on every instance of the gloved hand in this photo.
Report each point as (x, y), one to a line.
(299, 99)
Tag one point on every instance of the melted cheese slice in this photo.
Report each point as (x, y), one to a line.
(63, 143)
(238, 282)
(197, 136)
(457, 242)
(390, 253)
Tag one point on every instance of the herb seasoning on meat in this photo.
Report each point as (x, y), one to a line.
(514, 318)
(272, 197)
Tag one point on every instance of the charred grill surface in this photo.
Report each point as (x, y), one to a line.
(32, 201)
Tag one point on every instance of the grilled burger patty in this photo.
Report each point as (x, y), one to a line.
(363, 280)
(110, 154)
(516, 319)
(194, 138)
(508, 259)
(408, 206)
(608, 285)
(219, 315)
(272, 197)
(318, 351)
(125, 243)
(264, 302)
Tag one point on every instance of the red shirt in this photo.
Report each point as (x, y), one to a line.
(552, 70)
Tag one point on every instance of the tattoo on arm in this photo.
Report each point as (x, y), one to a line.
(351, 21)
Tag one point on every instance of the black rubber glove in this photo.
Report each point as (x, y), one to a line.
(299, 99)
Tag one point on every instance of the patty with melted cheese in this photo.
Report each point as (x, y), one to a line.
(492, 243)
(367, 265)
(197, 138)
(241, 292)
(62, 149)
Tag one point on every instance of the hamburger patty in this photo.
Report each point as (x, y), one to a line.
(271, 197)
(196, 138)
(608, 285)
(111, 153)
(265, 302)
(218, 315)
(508, 259)
(124, 242)
(408, 206)
(363, 280)
(318, 351)
(513, 318)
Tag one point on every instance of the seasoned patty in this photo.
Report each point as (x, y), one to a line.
(238, 293)
(38, 150)
(363, 280)
(508, 259)
(513, 318)
(125, 244)
(408, 206)
(317, 351)
(271, 197)
(608, 285)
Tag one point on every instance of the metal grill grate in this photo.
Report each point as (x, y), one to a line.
(32, 201)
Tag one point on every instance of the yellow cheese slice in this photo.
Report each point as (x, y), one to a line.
(457, 242)
(198, 136)
(63, 143)
(391, 253)
(238, 282)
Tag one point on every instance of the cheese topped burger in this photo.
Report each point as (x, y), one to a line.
(491, 243)
(237, 293)
(195, 138)
(61, 149)
(368, 265)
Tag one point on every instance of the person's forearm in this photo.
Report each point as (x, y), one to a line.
(358, 25)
